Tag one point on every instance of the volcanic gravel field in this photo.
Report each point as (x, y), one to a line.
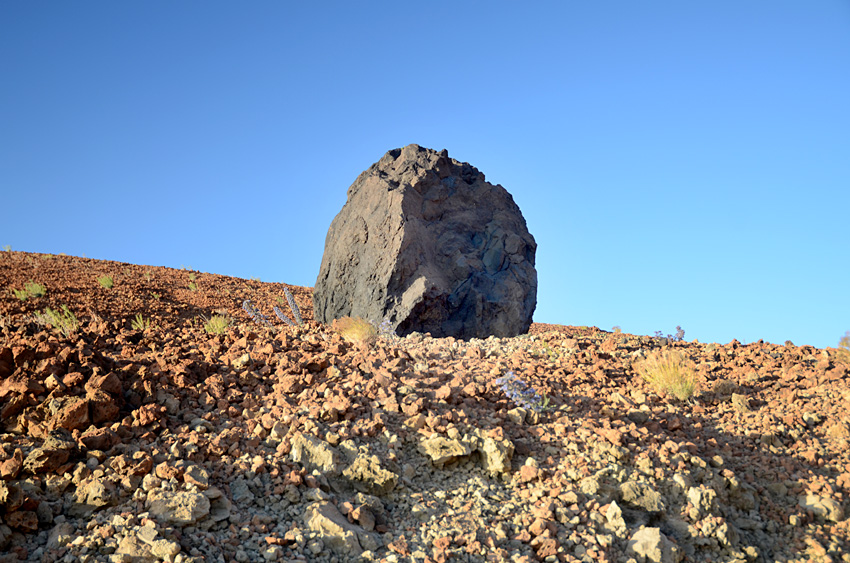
(292, 444)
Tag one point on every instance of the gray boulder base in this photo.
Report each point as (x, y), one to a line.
(424, 241)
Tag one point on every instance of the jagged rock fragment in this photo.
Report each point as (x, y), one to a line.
(649, 545)
(313, 453)
(367, 475)
(181, 508)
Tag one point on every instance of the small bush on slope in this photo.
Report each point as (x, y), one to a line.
(355, 330)
(669, 373)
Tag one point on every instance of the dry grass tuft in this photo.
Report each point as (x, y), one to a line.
(669, 372)
(65, 321)
(844, 348)
(217, 324)
(356, 330)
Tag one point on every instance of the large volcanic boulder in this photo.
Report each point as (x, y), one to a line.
(426, 242)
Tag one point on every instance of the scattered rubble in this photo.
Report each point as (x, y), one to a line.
(288, 444)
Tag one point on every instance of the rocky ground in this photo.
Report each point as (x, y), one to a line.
(291, 444)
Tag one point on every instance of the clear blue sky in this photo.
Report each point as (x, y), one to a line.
(677, 162)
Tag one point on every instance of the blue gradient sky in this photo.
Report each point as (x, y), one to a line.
(677, 162)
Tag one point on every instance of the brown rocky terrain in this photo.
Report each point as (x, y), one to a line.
(291, 444)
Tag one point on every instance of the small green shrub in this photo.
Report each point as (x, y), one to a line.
(35, 289)
(148, 276)
(65, 322)
(105, 281)
(192, 277)
(217, 324)
(140, 323)
(193, 286)
(7, 248)
(155, 295)
(31, 289)
(669, 373)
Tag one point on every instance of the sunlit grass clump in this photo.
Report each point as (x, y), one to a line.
(140, 323)
(65, 322)
(106, 281)
(669, 372)
(844, 348)
(31, 289)
(355, 330)
(217, 324)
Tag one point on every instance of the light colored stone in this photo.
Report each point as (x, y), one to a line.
(92, 494)
(197, 475)
(135, 549)
(11, 496)
(614, 516)
(60, 535)
(165, 549)
(496, 455)
(642, 495)
(824, 507)
(336, 531)
(517, 415)
(702, 498)
(147, 534)
(180, 508)
(443, 450)
(367, 475)
(220, 508)
(313, 453)
(649, 545)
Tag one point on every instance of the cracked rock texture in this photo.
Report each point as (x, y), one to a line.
(424, 241)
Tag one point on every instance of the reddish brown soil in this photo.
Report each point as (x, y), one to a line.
(767, 434)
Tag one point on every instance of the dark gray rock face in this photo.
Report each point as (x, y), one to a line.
(426, 242)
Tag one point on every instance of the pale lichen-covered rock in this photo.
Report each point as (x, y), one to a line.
(702, 498)
(220, 505)
(825, 507)
(649, 545)
(60, 535)
(133, 549)
(337, 533)
(93, 494)
(443, 451)
(614, 520)
(641, 495)
(367, 475)
(313, 453)
(182, 508)
(495, 454)
(426, 242)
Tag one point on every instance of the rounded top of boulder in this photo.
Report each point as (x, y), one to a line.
(408, 165)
